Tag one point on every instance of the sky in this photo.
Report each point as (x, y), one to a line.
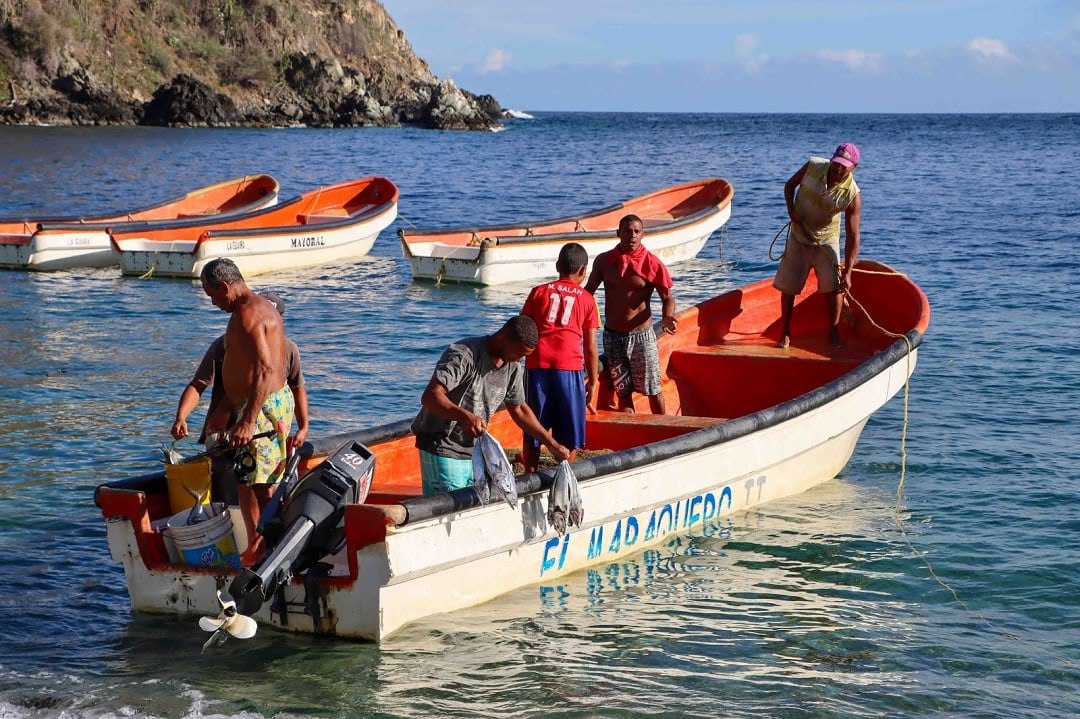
(754, 55)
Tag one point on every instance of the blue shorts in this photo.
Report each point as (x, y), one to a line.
(444, 474)
(557, 398)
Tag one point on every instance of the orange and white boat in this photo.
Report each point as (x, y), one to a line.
(678, 222)
(334, 223)
(61, 243)
(752, 423)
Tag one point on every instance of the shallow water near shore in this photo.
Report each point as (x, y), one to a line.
(820, 605)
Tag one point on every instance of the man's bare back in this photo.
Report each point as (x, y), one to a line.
(255, 358)
(254, 350)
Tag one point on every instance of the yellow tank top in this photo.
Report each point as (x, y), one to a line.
(818, 207)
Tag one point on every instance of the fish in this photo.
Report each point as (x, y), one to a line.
(497, 468)
(558, 502)
(564, 500)
(480, 479)
(171, 455)
(577, 509)
(198, 512)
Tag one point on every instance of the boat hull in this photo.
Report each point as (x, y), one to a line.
(48, 251)
(397, 583)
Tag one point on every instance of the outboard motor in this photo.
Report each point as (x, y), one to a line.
(309, 525)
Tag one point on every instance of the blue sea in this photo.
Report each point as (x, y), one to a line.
(958, 596)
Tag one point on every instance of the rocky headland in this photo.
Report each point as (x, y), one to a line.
(222, 63)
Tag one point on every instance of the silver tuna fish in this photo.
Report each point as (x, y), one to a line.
(564, 500)
(496, 467)
(480, 478)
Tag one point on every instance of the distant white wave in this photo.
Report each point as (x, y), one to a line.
(518, 114)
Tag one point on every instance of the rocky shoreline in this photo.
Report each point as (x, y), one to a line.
(317, 94)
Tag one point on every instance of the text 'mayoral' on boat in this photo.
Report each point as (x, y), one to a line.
(678, 221)
(362, 554)
(60, 243)
(327, 225)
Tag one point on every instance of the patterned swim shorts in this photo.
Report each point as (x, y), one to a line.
(633, 361)
(268, 453)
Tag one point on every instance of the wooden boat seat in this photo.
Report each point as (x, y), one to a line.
(317, 219)
(662, 218)
(205, 213)
(333, 214)
(621, 430)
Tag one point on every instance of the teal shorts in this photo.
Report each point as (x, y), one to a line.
(444, 474)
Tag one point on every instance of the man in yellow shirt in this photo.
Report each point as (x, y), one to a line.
(826, 189)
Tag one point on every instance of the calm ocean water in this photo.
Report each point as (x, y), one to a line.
(816, 606)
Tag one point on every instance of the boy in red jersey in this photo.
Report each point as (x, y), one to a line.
(561, 374)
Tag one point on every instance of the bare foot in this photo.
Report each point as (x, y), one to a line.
(784, 342)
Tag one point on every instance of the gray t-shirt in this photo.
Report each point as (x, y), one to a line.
(474, 383)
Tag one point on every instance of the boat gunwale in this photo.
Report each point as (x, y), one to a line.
(127, 228)
(107, 219)
(147, 226)
(595, 235)
(346, 221)
(255, 206)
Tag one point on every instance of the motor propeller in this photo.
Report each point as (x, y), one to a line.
(229, 623)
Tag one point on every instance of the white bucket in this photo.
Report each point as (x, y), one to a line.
(206, 544)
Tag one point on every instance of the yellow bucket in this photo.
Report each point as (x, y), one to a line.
(193, 475)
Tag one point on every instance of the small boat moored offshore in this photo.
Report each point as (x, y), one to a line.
(325, 225)
(678, 221)
(65, 242)
(367, 554)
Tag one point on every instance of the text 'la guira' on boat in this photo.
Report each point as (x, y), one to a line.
(360, 553)
(61, 243)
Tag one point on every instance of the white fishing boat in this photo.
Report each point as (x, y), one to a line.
(678, 222)
(361, 554)
(63, 243)
(327, 225)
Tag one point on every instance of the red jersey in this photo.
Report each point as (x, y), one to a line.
(562, 312)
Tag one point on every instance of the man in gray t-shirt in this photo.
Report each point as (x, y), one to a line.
(472, 380)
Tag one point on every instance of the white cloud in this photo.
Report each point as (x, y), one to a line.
(855, 60)
(746, 51)
(989, 47)
(495, 61)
